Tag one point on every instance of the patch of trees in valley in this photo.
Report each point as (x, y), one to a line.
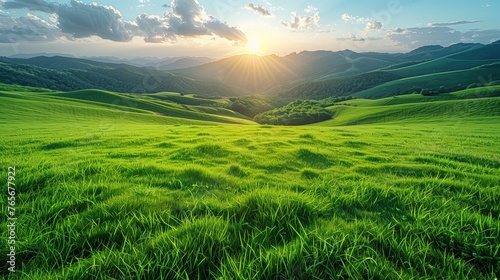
(298, 112)
(250, 106)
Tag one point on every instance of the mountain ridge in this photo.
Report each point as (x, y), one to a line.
(307, 74)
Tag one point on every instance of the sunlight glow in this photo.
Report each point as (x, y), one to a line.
(253, 45)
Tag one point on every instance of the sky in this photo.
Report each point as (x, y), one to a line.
(223, 28)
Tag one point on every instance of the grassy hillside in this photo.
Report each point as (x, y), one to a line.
(187, 99)
(479, 92)
(109, 105)
(104, 192)
(426, 112)
(440, 65)
(471, 103)
(450, 79)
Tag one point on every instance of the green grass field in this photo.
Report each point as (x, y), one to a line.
(113, 186)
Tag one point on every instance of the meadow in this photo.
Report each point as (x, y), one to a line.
(120, 188)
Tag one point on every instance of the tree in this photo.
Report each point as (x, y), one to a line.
(425, 92)
(298, 112)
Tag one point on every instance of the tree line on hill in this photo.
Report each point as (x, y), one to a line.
(443, 89)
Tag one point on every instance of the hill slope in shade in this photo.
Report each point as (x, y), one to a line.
(448, 80)
(60, 73)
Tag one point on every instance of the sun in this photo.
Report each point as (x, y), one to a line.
(253, 45)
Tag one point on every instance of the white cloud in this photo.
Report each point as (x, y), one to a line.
(27, 28)
(346, 17)
(420, 36)
(440, 35)
(370, 23)
(310, 9)
(353, 38)
(349, 18)
(374, 25)
(83, 20)
(187, 19)
(143, 3)
(303, 22)
(481, 36)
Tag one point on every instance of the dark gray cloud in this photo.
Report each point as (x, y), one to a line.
(186, 19)
(453, 23)
(261, 10)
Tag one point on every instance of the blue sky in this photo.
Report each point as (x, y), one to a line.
(221, 28)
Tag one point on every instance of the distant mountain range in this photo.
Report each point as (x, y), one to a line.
(306, 75)
(67, 73)
(167, 63)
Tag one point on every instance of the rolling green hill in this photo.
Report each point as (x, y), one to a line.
(187, 99)
(439, 66)
(103, 105)
(107, 188)
(449, 80)
(480, 103)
